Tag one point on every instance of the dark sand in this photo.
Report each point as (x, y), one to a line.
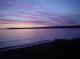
(58, 49)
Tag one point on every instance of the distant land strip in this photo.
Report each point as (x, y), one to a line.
(48, 27)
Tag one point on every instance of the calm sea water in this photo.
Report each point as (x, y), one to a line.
(17, 37)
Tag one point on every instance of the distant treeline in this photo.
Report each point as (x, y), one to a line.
(47, 27)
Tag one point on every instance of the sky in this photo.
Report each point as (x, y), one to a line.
(39, 12)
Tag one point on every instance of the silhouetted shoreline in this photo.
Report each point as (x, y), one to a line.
(48, 27)
(52, 27)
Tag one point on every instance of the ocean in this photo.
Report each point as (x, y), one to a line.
(17, 37)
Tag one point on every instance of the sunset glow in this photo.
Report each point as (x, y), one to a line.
(20, 25)
(30, 13)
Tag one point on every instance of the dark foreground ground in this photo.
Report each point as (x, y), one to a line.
(58, 49)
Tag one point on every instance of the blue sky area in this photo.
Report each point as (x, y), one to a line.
(49, 12)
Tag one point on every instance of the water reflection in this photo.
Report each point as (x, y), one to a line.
(25, 36)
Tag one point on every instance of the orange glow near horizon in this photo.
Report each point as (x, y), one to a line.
(21, 25)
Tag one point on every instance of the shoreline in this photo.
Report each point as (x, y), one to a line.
(59, 47)
(50, 27)
(47, 27)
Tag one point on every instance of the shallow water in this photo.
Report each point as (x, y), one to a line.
(16, 37)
